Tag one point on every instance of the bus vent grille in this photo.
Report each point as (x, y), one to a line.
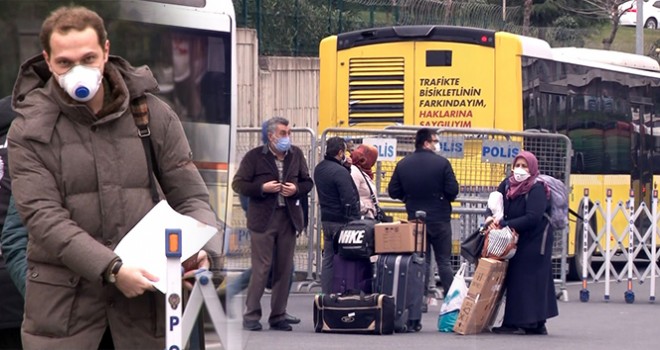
(376, 92)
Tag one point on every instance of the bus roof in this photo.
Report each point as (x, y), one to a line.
(616, 58)
(604, 59)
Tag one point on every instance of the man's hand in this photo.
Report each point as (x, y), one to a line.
(289, 189)
(133, 281)
(202, 262)
(272, 187)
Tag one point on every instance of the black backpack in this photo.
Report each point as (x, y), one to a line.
(355, 241)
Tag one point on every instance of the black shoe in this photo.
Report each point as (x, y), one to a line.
(508, 330)
(291, 319)
(252, 325)
(281, 326)
(541, 330)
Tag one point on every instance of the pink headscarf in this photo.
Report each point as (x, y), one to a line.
(364, 157)
(520, 188)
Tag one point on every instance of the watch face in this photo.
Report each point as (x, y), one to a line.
(112, 278)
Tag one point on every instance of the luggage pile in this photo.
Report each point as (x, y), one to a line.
(379, 279)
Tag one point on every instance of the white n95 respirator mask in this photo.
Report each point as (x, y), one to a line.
(520, 174)
(81, 82)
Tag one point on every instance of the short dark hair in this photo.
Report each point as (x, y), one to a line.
(67, 18)
(334, 145)
(423, 135)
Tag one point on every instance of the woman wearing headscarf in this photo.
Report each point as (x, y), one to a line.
(363, 159)
(529, 284)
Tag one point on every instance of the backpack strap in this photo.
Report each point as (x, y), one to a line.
(140, 111)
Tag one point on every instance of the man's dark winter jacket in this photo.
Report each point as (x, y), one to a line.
(425, 181)
(336, 189)
(258, 167)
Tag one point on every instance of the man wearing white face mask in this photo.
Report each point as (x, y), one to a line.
(425, 180)
(81, 182)
(275, 177)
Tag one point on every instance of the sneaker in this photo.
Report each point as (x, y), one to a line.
(252, 325)
(281, 326)
(291, 319)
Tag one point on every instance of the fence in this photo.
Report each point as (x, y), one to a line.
(237, 243)
(624, 248)
(480, 158)
(295, 27)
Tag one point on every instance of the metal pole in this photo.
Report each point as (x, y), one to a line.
(639, 29)
(504, 10)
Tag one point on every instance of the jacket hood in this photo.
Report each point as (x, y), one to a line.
(37, 96)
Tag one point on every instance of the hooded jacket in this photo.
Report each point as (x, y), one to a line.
(80, 183)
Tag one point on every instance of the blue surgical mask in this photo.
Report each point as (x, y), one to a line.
(283, 144)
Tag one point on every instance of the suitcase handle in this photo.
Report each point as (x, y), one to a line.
(420, 217)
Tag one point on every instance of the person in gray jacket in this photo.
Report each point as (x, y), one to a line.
(80, 182)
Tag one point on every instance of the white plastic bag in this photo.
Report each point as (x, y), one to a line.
(457, 292)
(496, 205)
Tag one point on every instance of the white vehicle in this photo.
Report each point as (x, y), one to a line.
(651, 13)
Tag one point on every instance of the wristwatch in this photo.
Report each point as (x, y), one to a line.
(112, 273)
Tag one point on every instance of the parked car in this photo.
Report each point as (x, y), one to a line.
(651, 13)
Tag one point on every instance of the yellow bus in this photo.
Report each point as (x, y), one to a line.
(441, 76)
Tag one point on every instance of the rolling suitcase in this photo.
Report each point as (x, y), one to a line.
(404, 277)
(351, 276)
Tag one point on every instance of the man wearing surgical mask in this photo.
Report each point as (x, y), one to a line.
(276, 179)
(425, 180)
(80, 181)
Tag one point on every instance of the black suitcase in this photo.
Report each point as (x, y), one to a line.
(357, 313)
(404, 277)
(350, 276)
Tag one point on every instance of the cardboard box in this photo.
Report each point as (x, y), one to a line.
(397, 237)
(484, 292)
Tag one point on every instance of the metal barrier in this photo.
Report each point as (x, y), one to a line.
(481, 159)
(627, 241)
(238, 242)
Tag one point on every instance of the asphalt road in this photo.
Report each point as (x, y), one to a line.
(592, 325)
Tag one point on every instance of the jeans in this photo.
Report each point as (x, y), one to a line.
(438, 237)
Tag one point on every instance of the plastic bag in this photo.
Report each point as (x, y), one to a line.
(453, 301)
(447, 321)
(457, 292)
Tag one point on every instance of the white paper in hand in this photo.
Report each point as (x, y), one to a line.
(144, 245)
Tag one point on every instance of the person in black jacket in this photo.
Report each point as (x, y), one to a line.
(338, 198)
(425, 181)
(11, 301)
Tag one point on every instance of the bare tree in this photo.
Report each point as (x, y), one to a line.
(448, 11)
(527, 14)
(598, 9)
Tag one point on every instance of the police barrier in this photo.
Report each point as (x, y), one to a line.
(618, 242)
(481, 159)
(237, 243)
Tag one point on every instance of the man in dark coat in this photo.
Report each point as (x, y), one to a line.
(339, 200)
(275, 177)
(425, 180)
(11, 302)
(79, 170)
